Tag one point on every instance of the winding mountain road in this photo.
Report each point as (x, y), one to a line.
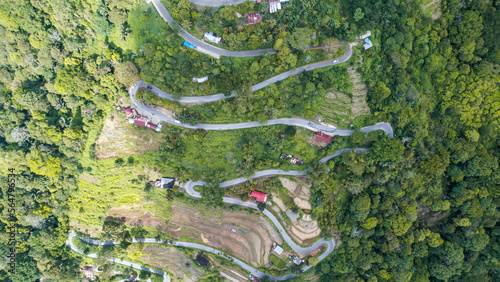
(329, 130)
(200, 44)
(259, 86)
(69, 242)
(189, 187)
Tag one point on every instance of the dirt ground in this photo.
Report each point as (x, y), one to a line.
(89, 178)
(119, 137)
(132, 217)
(173, 261)
(315, 142)
(246, 236)
(300, 194)
(279, 202)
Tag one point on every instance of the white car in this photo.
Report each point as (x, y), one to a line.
(176, 121)
(334, 61)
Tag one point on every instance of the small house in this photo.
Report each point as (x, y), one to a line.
(212, 37)
(322, 136)
(296, 260)
(167, 183)
(296, 161)
(274, 6)
(129, 112)
(277, 249)
(254, 18)
(88, 271)
(203, 261)
(259, 196)
(364, 36)
(200, 79)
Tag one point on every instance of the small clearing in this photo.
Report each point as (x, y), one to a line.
(246, 236)
(434, 8)
(118, 136)
(171, 260)
(336, 109)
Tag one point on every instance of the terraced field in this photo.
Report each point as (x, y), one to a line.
(336, 109)
(246, 236)
(171, 260)
(358, 106)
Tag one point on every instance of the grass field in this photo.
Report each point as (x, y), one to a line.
(121, 188)
(336, 108)
(118, 136)
(278, 263)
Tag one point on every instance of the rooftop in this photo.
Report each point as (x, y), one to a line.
(259, 196)
(278, 249)
(322, 136)
(203, 261)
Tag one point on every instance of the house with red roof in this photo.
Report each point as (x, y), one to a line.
(322, 136)
(259, 196)
(129, 112)
(253, 18)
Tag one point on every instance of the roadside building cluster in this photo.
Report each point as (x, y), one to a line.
(135, 118)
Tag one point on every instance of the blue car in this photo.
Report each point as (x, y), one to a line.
(187, 44)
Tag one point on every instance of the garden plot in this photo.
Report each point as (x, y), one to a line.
(119, 137)
(305, 230)
(172, 261)
(246, 236)
(358, 106)
(336, 108)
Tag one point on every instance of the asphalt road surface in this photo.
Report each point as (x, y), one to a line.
(329, 130)
(70, 243)
(201, 45)
(166, 277)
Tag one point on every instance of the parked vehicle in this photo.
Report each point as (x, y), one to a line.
(187, 44)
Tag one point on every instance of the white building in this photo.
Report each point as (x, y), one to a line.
(368, 44)
(364, 36)
(278, 249)
(212, 38)
(274, 6)
(200, 79)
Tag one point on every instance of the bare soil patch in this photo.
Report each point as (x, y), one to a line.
(279, 202)
(303, 204)
(171, 260)
(246, 236)
(127, 214)
(84, 176)
(304, 181)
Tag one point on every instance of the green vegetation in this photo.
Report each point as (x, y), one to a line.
(278, 263)
(423, 208)
(419, 207)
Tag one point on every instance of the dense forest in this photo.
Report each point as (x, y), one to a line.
(427, 210)
(419, 207)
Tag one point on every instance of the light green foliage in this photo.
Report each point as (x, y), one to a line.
(369, 223)
(300, 38)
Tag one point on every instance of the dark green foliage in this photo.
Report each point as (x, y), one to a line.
(431, 190)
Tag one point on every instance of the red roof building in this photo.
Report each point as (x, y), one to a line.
(152, 126)
(139, 122)
(322, 136)
(254, 18)
(128, 112)
(259, 196)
